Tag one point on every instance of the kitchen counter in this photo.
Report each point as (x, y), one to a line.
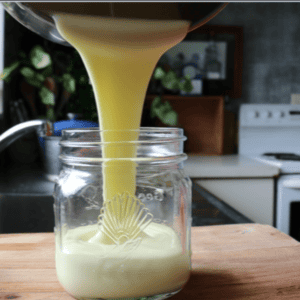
(244, 183)
(245, 261)
(227, 166)
(26, 203)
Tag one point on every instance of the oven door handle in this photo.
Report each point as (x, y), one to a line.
(292, 183)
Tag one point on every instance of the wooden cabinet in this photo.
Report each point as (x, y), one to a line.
(209, 128)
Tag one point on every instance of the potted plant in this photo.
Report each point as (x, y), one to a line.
(55, 77)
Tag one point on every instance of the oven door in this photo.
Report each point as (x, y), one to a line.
(288, 205)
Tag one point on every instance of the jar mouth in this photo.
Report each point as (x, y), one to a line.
(155, 144)
(77, 137)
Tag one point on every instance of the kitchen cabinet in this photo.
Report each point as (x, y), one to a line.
(209, 128)
(243, 183)
(207, 209)
(253, 197)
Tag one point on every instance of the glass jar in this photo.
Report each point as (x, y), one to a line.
(123, 214)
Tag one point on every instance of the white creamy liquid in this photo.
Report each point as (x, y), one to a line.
(92, 270)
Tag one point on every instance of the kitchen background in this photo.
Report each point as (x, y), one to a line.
(271, 68)
(271, 51)
(271, 60)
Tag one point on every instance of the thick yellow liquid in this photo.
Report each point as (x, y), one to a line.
(120, 56)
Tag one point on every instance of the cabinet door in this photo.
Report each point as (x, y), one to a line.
(254, 198)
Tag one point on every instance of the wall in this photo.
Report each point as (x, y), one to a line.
(271, 67)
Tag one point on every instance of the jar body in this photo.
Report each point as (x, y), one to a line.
(131, 246)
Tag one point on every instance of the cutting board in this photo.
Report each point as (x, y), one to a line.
(245, 261)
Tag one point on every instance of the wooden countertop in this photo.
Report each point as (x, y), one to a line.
(245, 261)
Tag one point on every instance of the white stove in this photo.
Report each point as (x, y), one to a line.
(285, 166)
(270, 133)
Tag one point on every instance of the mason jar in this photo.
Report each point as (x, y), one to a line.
(122, 214)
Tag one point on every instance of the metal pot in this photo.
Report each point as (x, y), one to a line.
(36, 16)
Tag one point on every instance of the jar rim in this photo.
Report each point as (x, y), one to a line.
(141, 129)
(148, 144)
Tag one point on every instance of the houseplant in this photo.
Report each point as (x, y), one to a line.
(56, 77)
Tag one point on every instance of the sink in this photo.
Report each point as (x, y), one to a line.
(26, 201)
(21, 213)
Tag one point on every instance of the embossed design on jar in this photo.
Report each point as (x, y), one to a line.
(91, 195)
(148, 196)
(149, 193)
(124, 218)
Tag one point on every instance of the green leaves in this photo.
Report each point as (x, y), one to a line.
(8, 71)
(37, 65)
(164, 112)
(27, 72)
(170, 81)
(39, 58)
(159, 73)
(69, 83)
(48, 97)
(32, 77)
(50, 115)
(67, 69)
(186, 85)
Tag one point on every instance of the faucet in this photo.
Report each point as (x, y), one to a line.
(19, 130)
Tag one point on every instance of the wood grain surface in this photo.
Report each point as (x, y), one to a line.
(245, 261)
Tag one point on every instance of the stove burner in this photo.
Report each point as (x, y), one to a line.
(284, 156)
